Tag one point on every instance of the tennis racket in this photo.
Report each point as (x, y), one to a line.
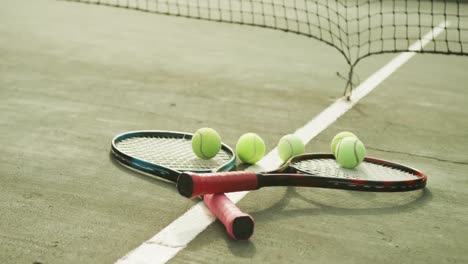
(309, 170)
(166, 154)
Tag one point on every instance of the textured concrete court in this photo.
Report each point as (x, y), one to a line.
(74, 75)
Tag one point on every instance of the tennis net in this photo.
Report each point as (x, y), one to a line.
(355, 28)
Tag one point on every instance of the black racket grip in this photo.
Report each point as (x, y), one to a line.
(192, 184)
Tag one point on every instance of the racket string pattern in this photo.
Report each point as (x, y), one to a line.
(365, 171)
(170, 152)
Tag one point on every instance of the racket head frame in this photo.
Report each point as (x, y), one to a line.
(159, 170)
(360, 184)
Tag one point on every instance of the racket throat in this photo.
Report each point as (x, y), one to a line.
(287, 180)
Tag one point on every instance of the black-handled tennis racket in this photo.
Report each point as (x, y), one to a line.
(309, 170)
(166, 154)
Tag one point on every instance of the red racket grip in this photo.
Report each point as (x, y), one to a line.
(239, 225)
(192, 184)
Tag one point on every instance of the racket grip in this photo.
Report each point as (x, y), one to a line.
(191, 184)
(239, 225)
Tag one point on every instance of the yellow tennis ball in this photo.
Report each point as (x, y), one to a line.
(290, 146)
(338, 138)
(206, 143)
(350, 152)
(250, 148)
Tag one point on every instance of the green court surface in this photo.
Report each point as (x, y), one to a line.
(74, 75)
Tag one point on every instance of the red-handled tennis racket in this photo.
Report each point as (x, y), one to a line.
(309, 170)
(166, 154)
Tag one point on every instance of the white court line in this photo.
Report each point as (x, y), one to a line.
(176, 236)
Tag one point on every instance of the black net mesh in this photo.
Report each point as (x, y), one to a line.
(356, 28)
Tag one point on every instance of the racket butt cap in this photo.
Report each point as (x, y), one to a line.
(185, 185)
(243, 227)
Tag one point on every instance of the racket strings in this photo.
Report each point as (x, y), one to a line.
(365, 171)
(171, 152)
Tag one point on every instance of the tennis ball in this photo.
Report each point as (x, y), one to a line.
(338, 138)
(289, 146)
(250, 148)
(206, 143)
(350, 152)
